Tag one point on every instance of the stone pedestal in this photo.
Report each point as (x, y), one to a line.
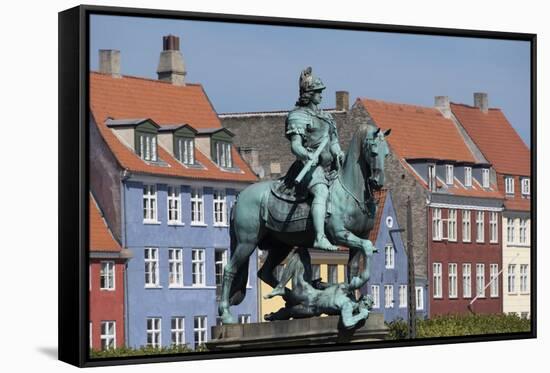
(299, 332)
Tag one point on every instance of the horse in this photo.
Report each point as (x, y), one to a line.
(351, 218)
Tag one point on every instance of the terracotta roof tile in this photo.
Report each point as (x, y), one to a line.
(166, 104)
(380, 196)
(496, 138)
(101, 238)
(418, 132)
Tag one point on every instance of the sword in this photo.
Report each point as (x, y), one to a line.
(308, 164)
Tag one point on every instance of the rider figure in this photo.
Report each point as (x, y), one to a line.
(307, 126)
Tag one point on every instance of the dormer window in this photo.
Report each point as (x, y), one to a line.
(509, 184)
(485, 177)
(223, 154)
(432, 183)
(449, 174)
(468, 176)
(141, 135)
(185, 150)
(148, 147)
(525, 186)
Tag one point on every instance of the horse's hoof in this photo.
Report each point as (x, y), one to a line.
(227, 318)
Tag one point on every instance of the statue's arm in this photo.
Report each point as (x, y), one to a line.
(298, 148)
(335, 148)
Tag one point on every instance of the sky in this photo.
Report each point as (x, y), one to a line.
(256, 67)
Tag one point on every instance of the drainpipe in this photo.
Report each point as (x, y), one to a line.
(125, 175)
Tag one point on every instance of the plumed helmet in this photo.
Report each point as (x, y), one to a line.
(309, 82)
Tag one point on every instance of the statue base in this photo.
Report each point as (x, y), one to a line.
(296, 332)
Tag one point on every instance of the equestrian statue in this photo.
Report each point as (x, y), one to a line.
(325, 200)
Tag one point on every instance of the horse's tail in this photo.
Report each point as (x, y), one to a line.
(238, 286)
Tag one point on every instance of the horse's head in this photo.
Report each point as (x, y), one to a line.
(376, 150)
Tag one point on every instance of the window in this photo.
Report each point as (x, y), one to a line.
(453, 281)
(220, 208)
(449, 174)
(523, 283)
(402, 296)
(108, 335)
(148, 147)
(332, 270)
(493, 227)
(468, 176)
(220, 260)
(151, 267)
(523, 231)
(375, 292)
(223, 154)
(437, 224)
(432, 183)
(437, 285)
(451, 225)
(480, 230)
(149, 203)
(244, 319)
(466, 226)
(511, 278)
(388, 296)
(197, 206)
(509, 185)
(466, 280)
(419, 298)
(485, 177)
(107, 276)
(494, 280)
(480, 280)
(175, 267)
(178, 331)
(199, 330)
(185, 151)
(390, 256)
(510, 230)
(153, 332)
(315, 271)
(90, 335)
(525, 186)
(198, 267)
(174, 205)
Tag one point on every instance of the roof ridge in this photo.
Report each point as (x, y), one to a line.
(473, 107)
(146, 79)
(412, 106)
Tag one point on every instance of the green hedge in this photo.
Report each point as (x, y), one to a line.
(143, 350)
(460, 325)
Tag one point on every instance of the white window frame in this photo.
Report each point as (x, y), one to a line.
(522, 231)
(155, 331)
(485, 179)
(220, 264)
(148, 147)
(388, 296)
(108, 274)
(452, 225)
(480, 226)
(493, 268)
(402, 296)
(177, 330)
(244, 319)
(419, 298)
(151, 260)
(466, 280)
(173, 205)
(467, 176)
(524, 278)
(389, 256)
(200, 327)
(437, 224)
(106, 338)
(150, 205)
(223, 154)
(437, 280)
(175, 267)
(480, 280)
(525, 186)
(197, 206)
(375, 292)
(219, 207)
(466, 226)
(493, 227)
(198, 263)
(432, 178)
(186, 148)
(509, 185)
(510, 230)
(90, 331)
(511, 275)
(449, 174)
(453, 280)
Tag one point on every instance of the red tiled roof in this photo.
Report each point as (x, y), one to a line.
(101, 238)
(380, 196)
(418, 132)
(164, 103)
(517, 204)
(496, 138)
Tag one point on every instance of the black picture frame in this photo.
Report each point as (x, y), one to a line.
(74, 34)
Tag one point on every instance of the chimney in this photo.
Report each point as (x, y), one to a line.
(481, 101)
(171, 67)
(442, 103)
(342, 100)
(109, 62)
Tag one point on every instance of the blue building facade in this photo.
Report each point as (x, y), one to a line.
(388, 283)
